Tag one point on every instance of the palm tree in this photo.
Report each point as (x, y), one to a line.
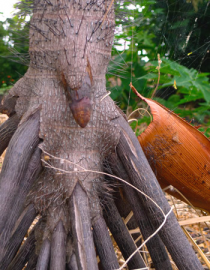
(69, 137)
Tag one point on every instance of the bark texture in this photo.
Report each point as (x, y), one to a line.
(171, 233)
(34, 168)
(70, 46)
(44, 256)
(81, 229)
(72, 265)
(32, 262)
(7, 129)
(24, 254)
(14, 168)
(104, 244)
(122, 236)
(58, 248)
(155, 246)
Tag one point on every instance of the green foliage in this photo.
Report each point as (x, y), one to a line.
(189, 82)
(179, 31)
(13, 51)
(140, 125)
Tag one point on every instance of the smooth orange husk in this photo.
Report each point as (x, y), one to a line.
(179, 155)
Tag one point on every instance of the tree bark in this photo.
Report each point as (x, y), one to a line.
(137, 166)
(122, 236)
(44, 256)
(32, 262)
(25, 252)
(34, 168)
(104, 244)
(81, 230)
(58, 248)
(155, 246)
(9, 247)
(7, 129)
(72, 265)
(15, 164)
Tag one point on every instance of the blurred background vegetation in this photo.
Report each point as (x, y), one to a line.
(13, 51)
(177, 30)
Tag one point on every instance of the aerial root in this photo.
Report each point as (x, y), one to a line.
(25, 252)
(104, 244)
(44, 256)
(7, 105)
(7, 129)
(155, 245)
(31, 265)
(122, 235)
(81, 230)
(58, 248)
(18, 155)
(157, 209)
(72, 265)
(34, 168)
(10, 246)
(75, 249)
